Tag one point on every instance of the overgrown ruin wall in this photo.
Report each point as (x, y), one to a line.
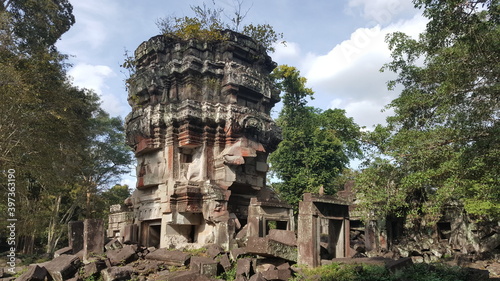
(201, 130)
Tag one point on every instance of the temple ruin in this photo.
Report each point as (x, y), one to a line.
(201, 131)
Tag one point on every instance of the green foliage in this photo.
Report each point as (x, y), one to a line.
(205, 25)
(115, 195)
(197, 252)
(53, 134)
(442, 145)
(263, 34)
(208, 25)
(38, 24)
(317, 145)
(229, 275)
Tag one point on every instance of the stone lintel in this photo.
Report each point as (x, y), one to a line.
(309, 197)
(266, 247)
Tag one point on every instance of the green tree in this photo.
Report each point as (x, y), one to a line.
(111, 196)
(317, 145)
(443, 143)
(51, 132)
(38, 24)
(208, 25)
(105, 158)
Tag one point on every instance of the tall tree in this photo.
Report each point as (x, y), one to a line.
(443, 143)
(38, 24)
(105, 158)
(51, 132)
(317, 145)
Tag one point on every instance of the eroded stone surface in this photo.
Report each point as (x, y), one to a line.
(63, 267)
(176, 258)
(117, 273)
(269, 248)
(201, 130)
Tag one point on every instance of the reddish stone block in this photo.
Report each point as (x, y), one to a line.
(286, 237)
(176, 257)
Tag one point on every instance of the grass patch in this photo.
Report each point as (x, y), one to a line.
(416, 272)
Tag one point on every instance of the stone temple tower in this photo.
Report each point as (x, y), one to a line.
(201, 131)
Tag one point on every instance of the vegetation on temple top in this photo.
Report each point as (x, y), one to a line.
(208, 24)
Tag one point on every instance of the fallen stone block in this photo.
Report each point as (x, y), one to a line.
(34, 273)
(63, 267)
(257, 277)
(93, 268)
(148, 267)
(214, 250)
(235, 253)
(117, 273)
(277, 274)
(494, 269)
(204, 266)
(284, 265)
(114, 244)
(241, 278)
(286, 237)
(175, 257)
(183, 276)
(122, 256)
(244, 267)
(224, 262)
(478, 274)
(271, 248)
(63, 251)
(264, 267)
(264, 264)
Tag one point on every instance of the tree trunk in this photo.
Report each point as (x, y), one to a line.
(52, 235)
(28, 244)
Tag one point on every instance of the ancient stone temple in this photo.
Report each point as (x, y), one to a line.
(201, 131)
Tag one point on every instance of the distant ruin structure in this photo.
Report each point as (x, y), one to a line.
(201, 131)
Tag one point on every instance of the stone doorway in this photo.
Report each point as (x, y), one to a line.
(150, 233)
(332, 239)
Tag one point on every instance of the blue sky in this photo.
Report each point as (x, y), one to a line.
(338, 45)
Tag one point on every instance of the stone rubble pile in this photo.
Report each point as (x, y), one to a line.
(127, 262)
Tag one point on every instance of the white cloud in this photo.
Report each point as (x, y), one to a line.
(368, 113)
(91, 76)
(96, 77)
(129, 180)
(380, 12)
(348, 76)
(92, 28)
(286, 52)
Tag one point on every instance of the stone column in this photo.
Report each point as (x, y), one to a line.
(93, 238)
